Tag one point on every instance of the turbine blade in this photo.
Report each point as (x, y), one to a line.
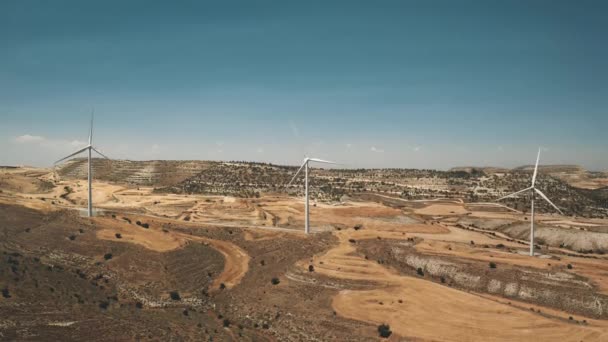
(297, 173)
(91, 131)
(101, 154)
(73, 154)
(514, 194)
(322, 161)
(547, 199)
(536, 168)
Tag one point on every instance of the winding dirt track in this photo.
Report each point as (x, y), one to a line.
(236, 260)
(430, 311)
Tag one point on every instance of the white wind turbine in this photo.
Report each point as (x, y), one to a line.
(88, 148)
(533, 191)
(305, 167)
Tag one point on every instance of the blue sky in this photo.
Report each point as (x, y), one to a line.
(423, 84)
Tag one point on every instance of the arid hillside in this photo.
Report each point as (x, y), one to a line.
(568, 186)
(199, 258)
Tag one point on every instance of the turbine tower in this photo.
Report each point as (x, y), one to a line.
(305, 167)
(89, 148)
(533, 191)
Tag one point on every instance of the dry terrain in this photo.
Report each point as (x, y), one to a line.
(216, 251)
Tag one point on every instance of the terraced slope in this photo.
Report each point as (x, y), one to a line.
(151, 173)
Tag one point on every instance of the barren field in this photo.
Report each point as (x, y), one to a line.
(155, 265)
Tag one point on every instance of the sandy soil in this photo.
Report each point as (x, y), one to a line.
(461, 316)
(442, 209)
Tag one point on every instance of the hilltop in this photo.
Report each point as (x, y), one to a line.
(245, 180)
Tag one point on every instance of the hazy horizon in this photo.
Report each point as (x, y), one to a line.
(430, 85)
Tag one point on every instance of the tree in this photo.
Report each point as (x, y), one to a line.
(175, 295)
(384, 330)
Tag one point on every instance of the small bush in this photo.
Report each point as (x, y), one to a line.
(265, 326)
(442, 279)
(72, 237)
(420, 272)
(352, 241)
(311, 268)
(118, 236)
(384, 330)
(145, 225)
(226, 323)
(222, 286)
(6, 293)
(275, 281)
(107, 256)
(358, 226)
(492, 264)
(175, 295)
(569, 266)
(138, 223)
(104, 304)
(139, 305)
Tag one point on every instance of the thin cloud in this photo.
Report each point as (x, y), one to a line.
(28, 139)
(48, 143)
(349, 145)
(377, 150)
(416, 148)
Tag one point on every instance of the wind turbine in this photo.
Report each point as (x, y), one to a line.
(305, 167)
(88, 148)
(533, 191)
